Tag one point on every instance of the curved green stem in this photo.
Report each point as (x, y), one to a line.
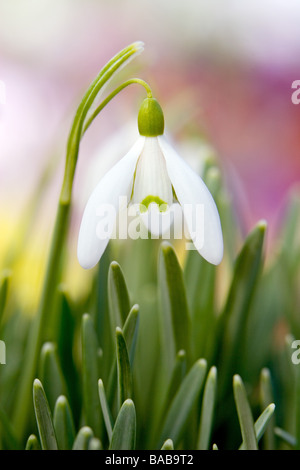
(76, 131)
(113, 94)
(37, 334)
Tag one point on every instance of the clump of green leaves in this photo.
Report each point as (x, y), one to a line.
(175, 370)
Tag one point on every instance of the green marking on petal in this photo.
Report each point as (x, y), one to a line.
(144, 205)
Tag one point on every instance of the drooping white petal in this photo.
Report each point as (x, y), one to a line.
(103, 206)
(151, 178)
(199, 208)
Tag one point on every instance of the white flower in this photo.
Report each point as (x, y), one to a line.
(153, 177)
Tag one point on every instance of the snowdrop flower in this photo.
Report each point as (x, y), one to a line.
(153, 177)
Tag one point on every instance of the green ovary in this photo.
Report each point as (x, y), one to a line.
(144, 205)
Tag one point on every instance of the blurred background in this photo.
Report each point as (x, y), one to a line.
(222, 72)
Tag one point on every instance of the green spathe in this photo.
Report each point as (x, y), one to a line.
(151, 118)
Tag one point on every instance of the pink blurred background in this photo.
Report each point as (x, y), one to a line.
(220, 69)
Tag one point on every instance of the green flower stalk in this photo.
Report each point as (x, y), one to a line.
(52, 278)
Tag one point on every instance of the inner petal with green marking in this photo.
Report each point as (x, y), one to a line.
(151, 182)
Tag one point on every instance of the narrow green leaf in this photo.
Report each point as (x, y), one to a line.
(124, 432)
(207, 410)
(130, 332)
(65, 332)
(32, 443)
(4, 284)
(88, 104)
(118, 297)
(83, 438)
(262, 422)
(98, 301)
(183, 402)
(81, 116)
(63, 424)
(105, 409)
(266, 397)
(200, 280)
(231, 325)
(124, 370)
(90, 375)
(200, 277)
(175, 315)
(286, 437)
(178, 374)
(50, 374)
(244, 414)
(168, 445)
(43, 417)
(226, 208)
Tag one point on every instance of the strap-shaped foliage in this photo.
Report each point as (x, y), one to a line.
(43, 417)
(124, 431)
